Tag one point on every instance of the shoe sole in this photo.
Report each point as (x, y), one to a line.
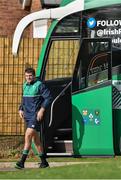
(44, 166)
(18, 167)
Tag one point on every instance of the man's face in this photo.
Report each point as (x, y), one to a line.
(29, 77)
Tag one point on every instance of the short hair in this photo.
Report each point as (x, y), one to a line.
(30, 70)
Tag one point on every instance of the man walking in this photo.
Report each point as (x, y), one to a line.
(36, 98)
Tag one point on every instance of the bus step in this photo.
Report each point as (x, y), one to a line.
(63, 146)
(64, 130)
(63, 134)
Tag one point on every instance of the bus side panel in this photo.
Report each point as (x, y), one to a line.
(92, 122)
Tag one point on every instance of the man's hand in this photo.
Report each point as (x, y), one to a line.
(40, 114)
(21, 114)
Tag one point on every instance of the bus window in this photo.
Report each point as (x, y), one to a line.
(69, 25)
(61, 59)
(92, 64)
(97, 68)
(116, 57)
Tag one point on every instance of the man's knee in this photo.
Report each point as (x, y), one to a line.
(29, 133)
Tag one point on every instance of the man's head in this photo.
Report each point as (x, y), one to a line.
(29, 75)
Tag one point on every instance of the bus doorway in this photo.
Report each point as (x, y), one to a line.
(92, 99)
(57, 75)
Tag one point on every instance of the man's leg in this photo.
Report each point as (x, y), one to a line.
(28, 139)
(38, 144)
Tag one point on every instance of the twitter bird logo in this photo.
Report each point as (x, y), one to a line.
(91, 22)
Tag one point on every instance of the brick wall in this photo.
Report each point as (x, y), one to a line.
(36, 5)
(11, 13)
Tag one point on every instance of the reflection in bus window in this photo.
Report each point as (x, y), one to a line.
(70, 24)
(96, 47)
(94, 62)
(98, 70)
(116, 57)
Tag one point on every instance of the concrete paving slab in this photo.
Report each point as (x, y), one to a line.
(10, 166)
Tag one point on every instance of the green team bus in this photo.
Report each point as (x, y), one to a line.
(80, 62)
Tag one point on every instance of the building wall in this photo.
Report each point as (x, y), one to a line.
(12, 68)
(11, 13)
(36, 5)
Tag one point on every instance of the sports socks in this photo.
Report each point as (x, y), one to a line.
(24, 156)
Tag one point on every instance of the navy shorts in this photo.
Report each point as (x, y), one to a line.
(34, 124)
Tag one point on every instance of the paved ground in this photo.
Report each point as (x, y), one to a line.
(9, 166)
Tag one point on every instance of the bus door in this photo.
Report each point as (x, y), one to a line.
(92, 100)
(57, 74)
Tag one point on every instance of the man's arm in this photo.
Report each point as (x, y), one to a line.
(47, 99)
(40, 114)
